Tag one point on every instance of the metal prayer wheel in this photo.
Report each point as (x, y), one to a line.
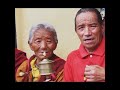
(46, 67)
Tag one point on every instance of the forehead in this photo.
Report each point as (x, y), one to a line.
(86, 16)
(43, 33)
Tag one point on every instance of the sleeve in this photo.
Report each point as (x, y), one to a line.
(59, 71)
(59, 77)
(22, 74)
(68, 71)
(20, 56)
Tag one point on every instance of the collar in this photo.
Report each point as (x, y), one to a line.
(99, 51)
(35, 70)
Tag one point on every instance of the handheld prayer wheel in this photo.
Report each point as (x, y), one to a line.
(46, 67)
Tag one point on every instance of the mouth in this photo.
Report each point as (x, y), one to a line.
(44, 53)
(88, 40)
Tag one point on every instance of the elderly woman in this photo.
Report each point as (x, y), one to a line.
(43, 41)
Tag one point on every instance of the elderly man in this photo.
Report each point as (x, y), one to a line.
(43, 41)
(87, 64)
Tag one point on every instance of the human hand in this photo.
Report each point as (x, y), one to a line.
(94, 73)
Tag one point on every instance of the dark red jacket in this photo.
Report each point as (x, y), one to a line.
(20, 56)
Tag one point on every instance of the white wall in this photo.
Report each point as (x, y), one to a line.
(61, 18)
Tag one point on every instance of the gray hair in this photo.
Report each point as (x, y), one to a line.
(45, 26)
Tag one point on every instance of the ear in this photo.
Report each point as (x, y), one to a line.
(31, 46)
(103, 28)
(55, 46)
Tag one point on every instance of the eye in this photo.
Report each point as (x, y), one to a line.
(93, 26)
(49, 41)
(37, 41)
(81, 28)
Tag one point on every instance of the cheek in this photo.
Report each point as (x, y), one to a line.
(34, 47)
(97, 31)
(80, 35)
(97, 37)
(52, 46)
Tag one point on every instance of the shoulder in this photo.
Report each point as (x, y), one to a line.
(19, 52)
(60, 61)
(20, 56)
(73, 53)
(72, 56)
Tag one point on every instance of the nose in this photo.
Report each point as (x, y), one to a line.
(87, 32)
(43, 45)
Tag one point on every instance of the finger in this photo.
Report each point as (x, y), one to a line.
(90, 67)
(87, 68)
(94, 66)
(87, 73)
(91, 72)
(90, 77)
(90, 80)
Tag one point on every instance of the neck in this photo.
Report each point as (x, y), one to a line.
(38, 60)
(89, 51)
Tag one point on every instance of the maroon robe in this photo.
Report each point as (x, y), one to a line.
(57, 76)
(20, 56)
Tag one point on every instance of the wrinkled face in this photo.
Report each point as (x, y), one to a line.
(43, 41)
(89, 30)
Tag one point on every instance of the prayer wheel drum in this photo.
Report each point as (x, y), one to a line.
(46, 67)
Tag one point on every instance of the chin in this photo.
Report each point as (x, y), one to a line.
(89, 46)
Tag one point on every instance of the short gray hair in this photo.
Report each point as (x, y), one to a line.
(45, 26)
